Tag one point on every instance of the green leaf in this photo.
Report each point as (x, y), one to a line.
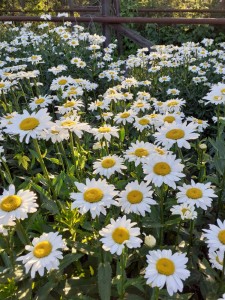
(54, 160)
(104, 280)
(122, 134)
(69, 259)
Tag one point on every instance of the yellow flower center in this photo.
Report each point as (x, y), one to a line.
(99, 103)
(172, 103)
(222, 91)
(194, 193)
(165, 266)
(42, 249)
(72, 92)
(11, 203)
(159, 103)
(140, 152)
(108, 163)
(8, 117)
(199, 121)
(160, 151)
(54, 131)
(29, 124)
(68, 123)
(34, 57)
(139, 104)
(219, 261)
(184, 210)
(162, 168)
(120, 235)
(153, 116)
(221, 236)
(93, 195)
(169, 119)
(2, 85)
(143, 122)
(175, 134)
(62, 82)
(69, 104)
(217, 98)
(104, 129)
(135, 196)
(39, 101)
(124, 115)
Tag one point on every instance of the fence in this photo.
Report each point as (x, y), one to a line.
(110, 19)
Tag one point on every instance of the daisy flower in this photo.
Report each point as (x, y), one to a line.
(140, 105)
(73, 125)
(173, 92)
(215, 236)
(41, 101)
(142, 123)
(125, 117)
(173, 105)
(139, 152)
(223, 297)
(43, 254)
(216, 258)
(198, 194)
(94, 196)
(16, 205)
(200, 124)
(176, 133)
(70, 105)
(119, 234)
(108, 165)
(29, 125)
(55, 133)
(163, 169)
(166, 268)
(106, 131)
(137, 198)
(186, 211)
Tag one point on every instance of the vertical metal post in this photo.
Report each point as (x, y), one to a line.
(106, 5)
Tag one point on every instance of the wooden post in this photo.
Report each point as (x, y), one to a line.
(116, 4)
(106, 5)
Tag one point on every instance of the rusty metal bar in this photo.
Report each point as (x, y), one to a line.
(117, 20)
(75, 9)
(97, 9)
(171, 10)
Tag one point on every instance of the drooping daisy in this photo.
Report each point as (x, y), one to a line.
(55, 133)
(29, 125)
(186, 211)
(163, 169)
(174, 133)
(119, 234)
(216, 258)
(137, 198)
(201, 124)
(105, 131)
(16, 205)
(198, 194)
(167, 268)
(43, 253)
(94, 196)
(215, 236)
(108, 165)
(139, 152)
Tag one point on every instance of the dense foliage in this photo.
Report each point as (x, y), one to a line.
(112, 171)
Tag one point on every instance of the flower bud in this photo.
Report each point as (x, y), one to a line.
(150, 241)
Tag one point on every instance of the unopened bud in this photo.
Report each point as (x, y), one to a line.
(203, 147)
(150, 241)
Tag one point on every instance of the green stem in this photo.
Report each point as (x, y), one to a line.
(22, 233)
(64, 154)
(43, 167)
(60, 156)
(8, 177)
(190, 237)
(122, 267)
(178, 232)
(155, 295)
(72, 149)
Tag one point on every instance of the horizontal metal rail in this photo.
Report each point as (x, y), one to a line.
(97, 8)
(117, 20)
(75, 9)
